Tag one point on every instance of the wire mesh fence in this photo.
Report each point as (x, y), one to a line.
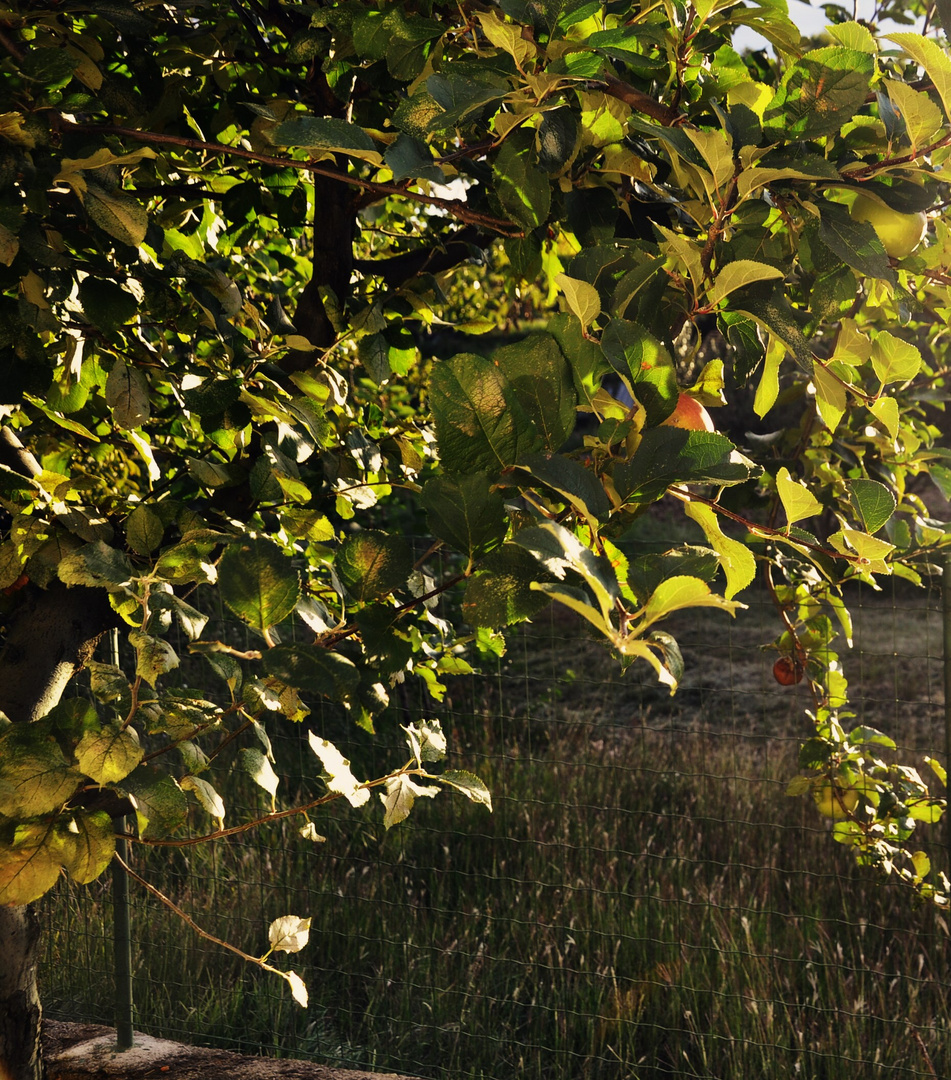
(644, 901)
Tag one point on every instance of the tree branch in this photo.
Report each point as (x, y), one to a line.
(638, 101)
(455, 207)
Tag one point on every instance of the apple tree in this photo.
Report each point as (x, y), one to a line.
(278, 278)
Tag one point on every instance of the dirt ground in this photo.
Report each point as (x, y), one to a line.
(88, 1052)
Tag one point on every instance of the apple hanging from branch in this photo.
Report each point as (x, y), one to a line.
(899, 233)
(691, 415)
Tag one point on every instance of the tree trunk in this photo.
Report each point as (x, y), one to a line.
(51, 634)
(19, 999)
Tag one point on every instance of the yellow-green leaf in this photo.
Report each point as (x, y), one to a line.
(109, 755)
(929, 55)
(737, 560)
(798, 501)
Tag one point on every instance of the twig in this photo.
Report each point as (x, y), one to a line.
(186, 918)
(762, 530)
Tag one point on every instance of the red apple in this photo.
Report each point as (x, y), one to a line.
(691, 415)
(787, 671)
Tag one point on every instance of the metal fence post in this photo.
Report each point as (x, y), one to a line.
(946, 610)
(121, 920)
(122, 943)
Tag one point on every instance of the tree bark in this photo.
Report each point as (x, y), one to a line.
(51, 635)
(19, 999)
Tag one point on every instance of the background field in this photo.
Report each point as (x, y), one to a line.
(644, 902)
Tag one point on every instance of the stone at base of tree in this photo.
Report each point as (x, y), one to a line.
(87, 1052)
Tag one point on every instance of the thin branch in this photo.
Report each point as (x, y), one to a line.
(278, 815)
(455, 207)
(638, 101)
(186, 918)
(14, 50)
(763, 530)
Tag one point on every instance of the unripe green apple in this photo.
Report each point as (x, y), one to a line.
(899, 233)
(691, 415)
(835, 802)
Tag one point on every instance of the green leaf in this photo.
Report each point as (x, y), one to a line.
(109, 755)
(684, 592)
(556, 139)
(578, 485)
(820, 92)
(35, 778)
(259, 583)
(211, 802)
(539, 375)
(144, 529)
(669, 455)
(408, 43)
(646, 364)
(326, 133)
(831, 400)
(160, 804)
(27, 870)
(371, 564)
(522, 187)
(501, 592)
(585, 359)
(465, 512)
(921, 116)
(507, 36)
(313, 670)
(873, 503)
(412, 157)
(855, 242)
(582, 299)
(736, 275)
(934, 59)
(853, 35)
(458, 96)
(646, 572)
(738, 562)
(98, 566)
(289, 934)
(154, 657)
(894, 360)
(400, 795)
(775, 314)
(559, 550)
(127, 394)
(85, 845)
(337, 775)
(257, 766)
(105, 303)
(470, 785)
(119, 215)
(426, 740)
(480, 423)
(798, 501)
(191, 620)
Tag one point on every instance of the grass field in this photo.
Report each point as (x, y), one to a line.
(644, 902)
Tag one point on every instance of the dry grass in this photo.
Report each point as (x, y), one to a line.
(645, 902)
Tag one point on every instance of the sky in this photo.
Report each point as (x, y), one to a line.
(810, 18)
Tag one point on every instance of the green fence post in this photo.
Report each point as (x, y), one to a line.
(946, 609)
(122, 942)
(121, 919)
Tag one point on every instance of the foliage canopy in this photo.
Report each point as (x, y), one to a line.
(280, 278)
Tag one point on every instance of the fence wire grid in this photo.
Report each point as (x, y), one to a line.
(644, 902)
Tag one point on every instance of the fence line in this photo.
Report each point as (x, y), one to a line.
(644, 902)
